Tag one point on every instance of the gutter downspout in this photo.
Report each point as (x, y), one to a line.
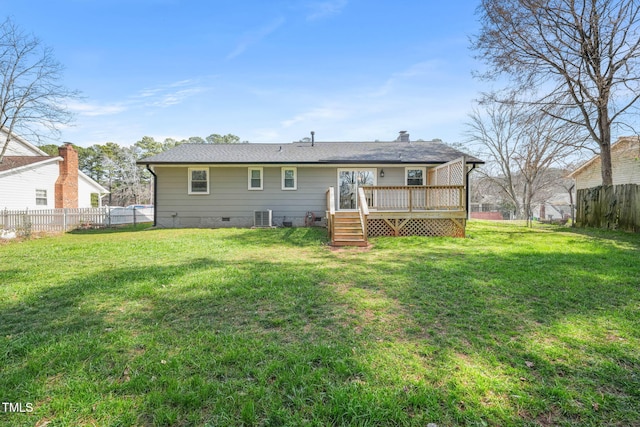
(473, 166)
(155, 194)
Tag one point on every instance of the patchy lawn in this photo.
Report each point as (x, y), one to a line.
(507, 327)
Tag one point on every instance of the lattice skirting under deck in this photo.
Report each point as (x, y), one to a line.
(416, 227)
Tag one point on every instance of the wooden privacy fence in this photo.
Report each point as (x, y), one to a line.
(615, 207)
(60, 220)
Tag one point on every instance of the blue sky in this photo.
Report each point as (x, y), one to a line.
(267, 71)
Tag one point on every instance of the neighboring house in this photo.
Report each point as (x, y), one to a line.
(557, 207)
(380, 188)
(625, 163)
(31, 179)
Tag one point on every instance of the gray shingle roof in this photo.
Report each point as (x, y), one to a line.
(304, 153)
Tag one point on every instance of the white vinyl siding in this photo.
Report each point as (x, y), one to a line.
(625, 162)
(18, 189)
(289, 178)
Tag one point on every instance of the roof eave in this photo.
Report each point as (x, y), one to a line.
(321, 162)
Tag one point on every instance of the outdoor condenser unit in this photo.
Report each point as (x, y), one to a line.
(262, 218)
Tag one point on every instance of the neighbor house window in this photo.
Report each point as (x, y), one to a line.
(198, 180)
(416, 176)
(289, 178)
(41, 197)
(255, 178)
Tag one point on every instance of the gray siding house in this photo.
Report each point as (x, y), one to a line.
(305, 183)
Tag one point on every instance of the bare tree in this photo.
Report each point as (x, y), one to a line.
(32, 99)
(583, 56)
(522, 145)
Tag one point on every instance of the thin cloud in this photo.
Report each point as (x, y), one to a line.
(421, 69)
(160, 96)
(254, 37)
(177, 97)
(94, 110)
(325, 113)
(325, 9)
(169, 94)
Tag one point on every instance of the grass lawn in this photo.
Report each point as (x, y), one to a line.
(508, 327)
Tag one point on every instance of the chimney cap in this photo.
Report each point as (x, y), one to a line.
(404, 136)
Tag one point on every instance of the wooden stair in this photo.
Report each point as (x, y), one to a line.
(347, 230)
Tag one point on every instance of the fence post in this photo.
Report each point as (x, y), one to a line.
(134, 217)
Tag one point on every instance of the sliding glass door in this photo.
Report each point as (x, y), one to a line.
(349, 180)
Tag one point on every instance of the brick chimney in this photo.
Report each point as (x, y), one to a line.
(66, 188)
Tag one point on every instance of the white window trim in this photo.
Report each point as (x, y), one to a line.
(295, 178)
(409, 168)
(189, 188)
(45, 197)
(261, 179)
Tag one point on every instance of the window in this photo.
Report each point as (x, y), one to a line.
(289, 178)
(255, 178)
(416, 176)
(41, 197)
(198, 181)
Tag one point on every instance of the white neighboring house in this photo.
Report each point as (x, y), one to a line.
(625, 164)
(558, 206)
(31, 179)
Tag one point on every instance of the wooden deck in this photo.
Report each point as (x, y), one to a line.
(435, 210)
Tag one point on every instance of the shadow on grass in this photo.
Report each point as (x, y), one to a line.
(269, 237)
(550, 327)
(608, 235)
(438, 331)
(114, 229)
(200, 341)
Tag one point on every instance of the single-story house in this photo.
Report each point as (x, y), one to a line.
(625, 164)
(356, 189)
(32, 179)
(557, 207)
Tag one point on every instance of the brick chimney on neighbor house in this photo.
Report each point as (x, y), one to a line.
(66, 188)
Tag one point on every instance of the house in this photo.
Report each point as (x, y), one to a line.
(625, 163)
(31, 179)
(615, 206)
(356, 189)
(557, 207)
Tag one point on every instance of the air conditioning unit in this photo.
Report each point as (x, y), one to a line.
(262, 218)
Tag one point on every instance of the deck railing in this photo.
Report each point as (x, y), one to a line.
(416, 198)
(331, 210)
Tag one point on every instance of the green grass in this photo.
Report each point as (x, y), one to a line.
(508, 327)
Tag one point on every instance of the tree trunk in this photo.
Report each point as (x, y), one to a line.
(605, 145)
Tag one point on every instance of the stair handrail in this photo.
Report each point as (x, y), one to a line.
(363, 209)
